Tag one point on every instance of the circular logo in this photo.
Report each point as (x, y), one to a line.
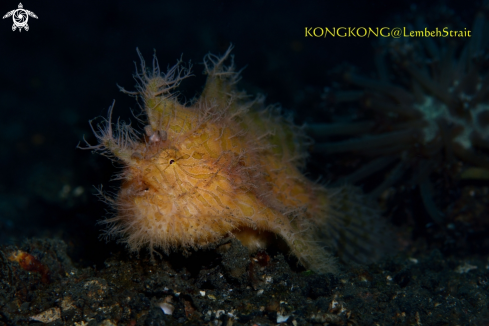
(20, 18)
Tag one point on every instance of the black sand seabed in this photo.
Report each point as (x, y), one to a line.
(231, 289)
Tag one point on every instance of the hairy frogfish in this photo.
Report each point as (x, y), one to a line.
(226, 165)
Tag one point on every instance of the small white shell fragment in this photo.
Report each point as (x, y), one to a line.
(465, 268)
(167, 308)
(47, 316)
(202, 293)
(67, 304)
(259, 292)
(333, 304)
(219, 313)
(282, 318)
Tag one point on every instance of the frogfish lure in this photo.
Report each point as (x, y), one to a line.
(223, 166)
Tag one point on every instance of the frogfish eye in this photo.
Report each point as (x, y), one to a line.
(172, 161)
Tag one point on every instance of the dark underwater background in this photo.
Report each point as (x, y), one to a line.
(65, 70)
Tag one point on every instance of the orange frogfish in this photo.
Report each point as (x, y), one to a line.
(223, 166)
